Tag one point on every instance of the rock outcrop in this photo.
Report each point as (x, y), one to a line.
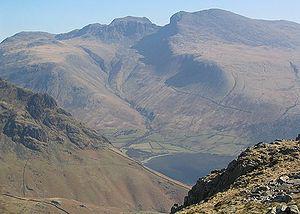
(35, 120)
(264, 178)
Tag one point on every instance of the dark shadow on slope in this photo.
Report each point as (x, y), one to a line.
(155, 48)
(285, 128)
(97, 59)
(192, 71)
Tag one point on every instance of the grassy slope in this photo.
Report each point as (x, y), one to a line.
(86, 169)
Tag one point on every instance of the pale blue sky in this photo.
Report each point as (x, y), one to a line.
(64, 15)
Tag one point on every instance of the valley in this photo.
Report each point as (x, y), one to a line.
(211, 81)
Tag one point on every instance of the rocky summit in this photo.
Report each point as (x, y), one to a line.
(264, 178)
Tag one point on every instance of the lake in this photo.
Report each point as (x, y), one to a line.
(188, 167)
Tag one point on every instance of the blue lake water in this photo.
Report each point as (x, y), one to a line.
(187, 167)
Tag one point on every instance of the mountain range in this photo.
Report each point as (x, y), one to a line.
(210, 81)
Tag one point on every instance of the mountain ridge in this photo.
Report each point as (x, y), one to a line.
(119, 30)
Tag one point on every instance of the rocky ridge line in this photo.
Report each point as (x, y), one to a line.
(266, 175)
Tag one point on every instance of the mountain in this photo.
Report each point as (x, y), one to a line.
(227, 27)
(69, 73)
(208, 82)
(51, 162)
(127, 29)
(229, 78)
(264, 178)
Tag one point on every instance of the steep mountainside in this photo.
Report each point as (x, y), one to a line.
(226, 80)
(76, 71)
(264, 178)
(210, 81)
(46, 155)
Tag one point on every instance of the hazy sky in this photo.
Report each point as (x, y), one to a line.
(63, 15)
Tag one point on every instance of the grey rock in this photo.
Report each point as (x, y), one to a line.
(261, 189)
(255, 195)
(282, 198)
(283, 179)
(272, 210)
(281, 208)
(293, 209)
(294, 181)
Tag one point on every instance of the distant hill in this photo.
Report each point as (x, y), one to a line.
(51, 162)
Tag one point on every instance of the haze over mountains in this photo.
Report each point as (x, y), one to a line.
(210, 81)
